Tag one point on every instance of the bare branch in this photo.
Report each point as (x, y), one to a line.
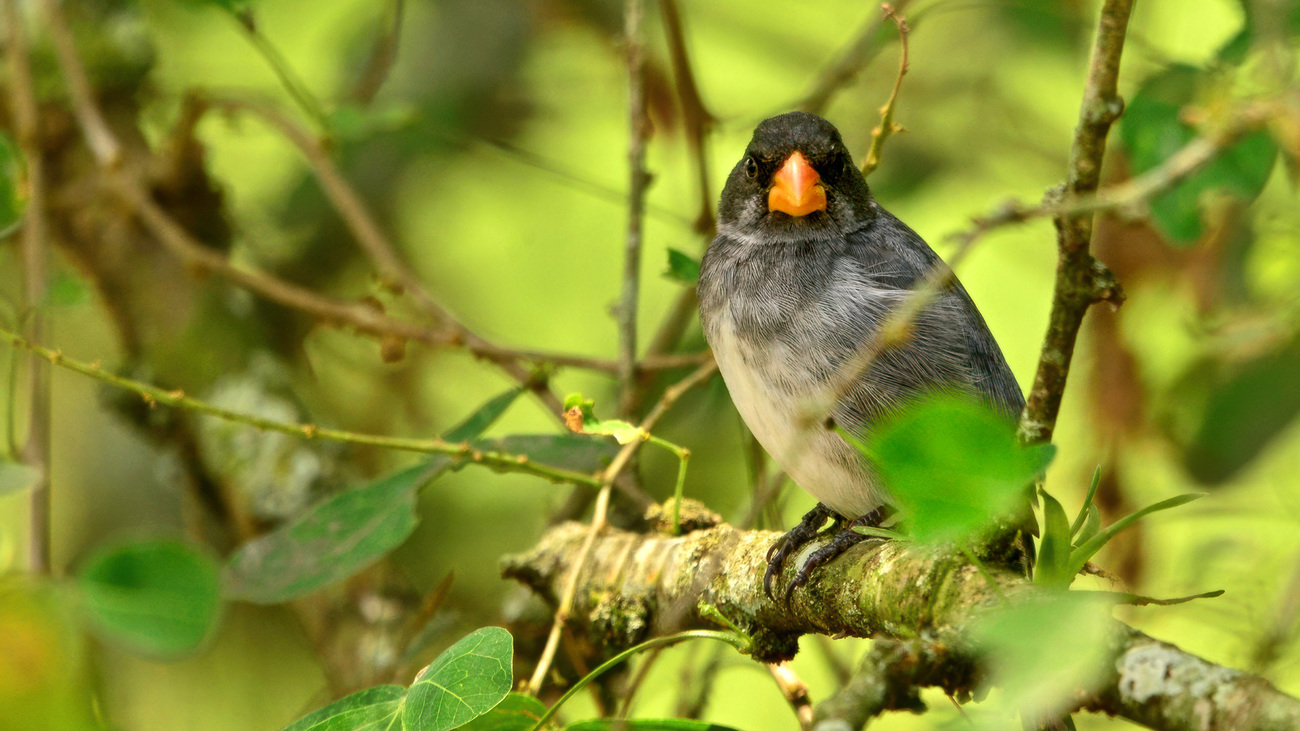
(634, 38)
(1076, 270)
(35, 256)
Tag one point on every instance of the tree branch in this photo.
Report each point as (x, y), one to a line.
(35, 257)
(634, 38)
(635, 586)
(1076, 272)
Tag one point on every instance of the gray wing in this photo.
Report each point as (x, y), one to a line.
(950, 345)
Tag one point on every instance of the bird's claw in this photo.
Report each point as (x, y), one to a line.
(800, 535)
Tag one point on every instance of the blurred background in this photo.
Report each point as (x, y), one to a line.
(489, 138)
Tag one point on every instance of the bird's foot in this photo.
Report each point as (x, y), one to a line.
(843, 541)
(797, 538)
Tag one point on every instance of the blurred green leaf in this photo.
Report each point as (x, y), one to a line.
(1042, 651)
(1054, 549)
(351, 122)
(66, 290)
(331, 541)
(682, 267)
(953, 465)
(646, 724)
(16, 476)
(1244, 413)
(159, 597)
(580, 417)
(1082, 517)
(516, 712)
(1152, 131)
(1236, 49)
(346, 532)
(13, 193)
(464, 682)
(569, 451)
(483, 417)
(374, 709)
(1089, 548)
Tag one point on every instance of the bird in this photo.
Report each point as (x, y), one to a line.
(804, 270)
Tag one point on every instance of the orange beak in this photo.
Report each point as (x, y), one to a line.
(796, 188)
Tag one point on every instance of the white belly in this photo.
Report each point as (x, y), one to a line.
(762, 385)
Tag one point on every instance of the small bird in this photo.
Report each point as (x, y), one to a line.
(805, 268)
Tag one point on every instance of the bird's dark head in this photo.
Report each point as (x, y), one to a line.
(796, 182)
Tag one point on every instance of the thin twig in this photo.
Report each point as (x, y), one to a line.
(887, 126)
(795, 692)
(382, 57)
(1076, 270)
(103, 144)
(847, 64)
(697, 121)
(153, 396)
(289, 78)
(638, 180)
(599, 513)
(35, 243)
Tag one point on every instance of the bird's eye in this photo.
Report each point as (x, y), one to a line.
(751, 167)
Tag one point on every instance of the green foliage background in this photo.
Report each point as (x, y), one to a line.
(496, 155)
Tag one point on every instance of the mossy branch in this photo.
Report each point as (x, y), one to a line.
(636, 586)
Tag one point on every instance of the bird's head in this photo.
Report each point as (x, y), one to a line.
(796, 182)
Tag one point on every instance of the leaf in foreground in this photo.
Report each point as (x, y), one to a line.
(371, 709)
(347, 532)
(464, 682)
(1043, 651)
(160, 597)
(331, 541)
(516, 712)
(954, 464)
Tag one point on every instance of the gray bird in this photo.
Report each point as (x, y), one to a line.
(804, 270)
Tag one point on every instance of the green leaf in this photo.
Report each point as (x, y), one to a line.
(1054, 548)
(1244, 413)
(160, 597)
(464, 682)
(13, 186)
(16, 476)
(1042, 651)
(682, 267)
(875, 532)
(1152, 131)
(66, 290)
(1083, 553)
(1087, 502)
(570, 451)
(333, 540)
(1091, 526)
(346, 532)
(374, 709)
(516, 712)
(580, 416)
(483, 417)
(646, 724)
(953, 465)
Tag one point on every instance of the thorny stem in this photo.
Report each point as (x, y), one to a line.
(36, 451)
(627, 310)
(154, 395)
(887, 126)
(1077, 272)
